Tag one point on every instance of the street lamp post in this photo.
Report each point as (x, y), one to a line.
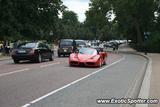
(51, 34)
(146, 34)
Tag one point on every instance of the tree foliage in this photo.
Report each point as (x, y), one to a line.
(97, 19)
(70, 24)
(135, 17)
(28, 18)
(132, 18)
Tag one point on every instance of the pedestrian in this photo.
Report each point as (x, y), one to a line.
(1, 46)
(74, 46)
(114, 46)
(117, 46)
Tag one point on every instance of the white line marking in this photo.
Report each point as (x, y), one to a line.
(74, 82)
(22, 70)
(42, 66)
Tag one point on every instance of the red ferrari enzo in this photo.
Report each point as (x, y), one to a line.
(88, 57)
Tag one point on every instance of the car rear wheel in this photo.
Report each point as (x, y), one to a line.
(104, 62)
(39, 59)
(16, 61)
(100, 62)
(59, 55)
(51, 58)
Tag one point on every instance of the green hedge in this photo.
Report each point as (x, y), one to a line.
(152, 45)
(153, 42)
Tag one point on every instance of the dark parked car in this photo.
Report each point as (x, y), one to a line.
(34, 51)
(66, 47)
(80, 44)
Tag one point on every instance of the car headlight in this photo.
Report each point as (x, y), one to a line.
(13, 52)
(95, 58)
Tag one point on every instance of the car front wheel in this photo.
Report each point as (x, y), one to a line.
(59, 55)
(100, 63)
(51, 58)
(39, 58)
(16, 61)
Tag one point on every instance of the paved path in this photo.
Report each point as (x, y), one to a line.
(155, 78)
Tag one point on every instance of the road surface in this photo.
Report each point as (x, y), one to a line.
(55, 84)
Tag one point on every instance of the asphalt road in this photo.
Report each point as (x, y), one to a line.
(47, 84)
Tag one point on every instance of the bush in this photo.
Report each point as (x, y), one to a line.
(153, 43)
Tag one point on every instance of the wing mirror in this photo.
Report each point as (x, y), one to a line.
(77, 51)
(101, 53)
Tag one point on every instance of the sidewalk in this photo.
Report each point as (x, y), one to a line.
(4, 57)
(155, 78)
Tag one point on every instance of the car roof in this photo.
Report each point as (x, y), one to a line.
(88, 48)
(66, 40)
(80, 40)
(36, 42)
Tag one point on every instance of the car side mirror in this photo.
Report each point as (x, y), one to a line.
(77, 51)
(100, 53)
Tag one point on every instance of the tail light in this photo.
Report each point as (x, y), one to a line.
(31, 51)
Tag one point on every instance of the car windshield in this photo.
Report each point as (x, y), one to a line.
(87, 51)
(80, 43)
(27, 45)
(66, 43)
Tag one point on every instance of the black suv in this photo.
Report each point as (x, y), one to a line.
(65, 47)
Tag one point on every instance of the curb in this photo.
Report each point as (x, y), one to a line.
(145, 87)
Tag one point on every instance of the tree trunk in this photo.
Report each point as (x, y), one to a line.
(138, 31)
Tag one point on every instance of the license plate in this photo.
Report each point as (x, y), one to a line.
(21, 51)
(65, 50)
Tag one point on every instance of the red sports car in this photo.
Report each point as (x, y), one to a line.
(88, 57)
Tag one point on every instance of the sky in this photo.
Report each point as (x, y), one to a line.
(78, 6)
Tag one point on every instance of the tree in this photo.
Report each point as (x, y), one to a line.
(28, 18)
(97, 18)
(70, 24)
(134, 18)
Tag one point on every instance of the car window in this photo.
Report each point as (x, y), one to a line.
(80, 43)
(42, 46)
(88, 51)
(46, 46)
(28, 45)
(66, 43)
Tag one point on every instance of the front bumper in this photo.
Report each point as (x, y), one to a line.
(64, 51)
(87, 63)
(25, 57)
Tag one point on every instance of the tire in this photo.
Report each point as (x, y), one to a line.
(16, 61)
(39, 58)
(100, 63)
(104, 63)
(51, 58)
(70, 65)
(59, 55)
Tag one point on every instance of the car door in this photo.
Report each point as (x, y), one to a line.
(48, 51)
(42, 50)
